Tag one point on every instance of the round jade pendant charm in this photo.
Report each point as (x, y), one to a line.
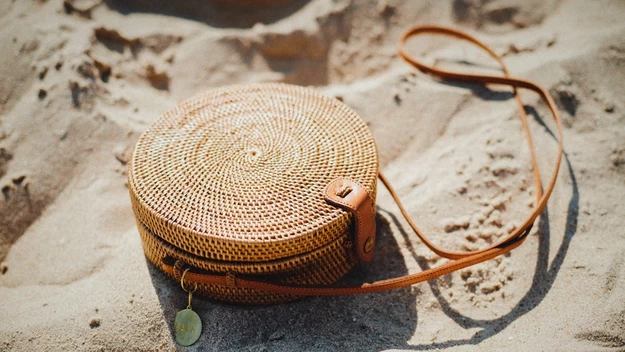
(188, 327)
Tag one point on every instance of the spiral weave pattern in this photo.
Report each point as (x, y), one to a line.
(232, 180)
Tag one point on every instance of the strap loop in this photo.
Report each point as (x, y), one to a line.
(351, 196)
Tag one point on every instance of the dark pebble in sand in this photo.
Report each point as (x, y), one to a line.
(94, 323)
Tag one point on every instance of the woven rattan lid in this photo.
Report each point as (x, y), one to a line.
(238, 173)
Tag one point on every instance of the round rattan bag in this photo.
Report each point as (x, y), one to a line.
(233, 181)
(263, 193)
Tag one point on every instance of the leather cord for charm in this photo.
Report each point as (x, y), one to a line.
(459, 260)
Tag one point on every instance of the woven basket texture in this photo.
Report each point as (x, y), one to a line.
(232, 180)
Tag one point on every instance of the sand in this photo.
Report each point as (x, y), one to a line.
(80, 80)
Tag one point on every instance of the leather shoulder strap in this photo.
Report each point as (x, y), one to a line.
(459, 259)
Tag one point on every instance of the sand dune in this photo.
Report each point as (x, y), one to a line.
(81, 79)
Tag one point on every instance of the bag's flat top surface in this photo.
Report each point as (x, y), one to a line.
(238, 173)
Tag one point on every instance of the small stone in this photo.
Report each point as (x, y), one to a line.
(42, 94)
(491, 289)
(397, 98)
(94, 323)
(43, 72)
(471, 237)
(551, 42)
(4, 268)
(609, 108)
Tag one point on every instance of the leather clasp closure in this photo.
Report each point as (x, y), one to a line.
(351, 196)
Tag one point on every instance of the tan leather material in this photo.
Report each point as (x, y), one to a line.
(541, 198)
(334, 290)
(351, 196)
(459, 260)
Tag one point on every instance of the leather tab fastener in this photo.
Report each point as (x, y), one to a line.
(351, 196)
